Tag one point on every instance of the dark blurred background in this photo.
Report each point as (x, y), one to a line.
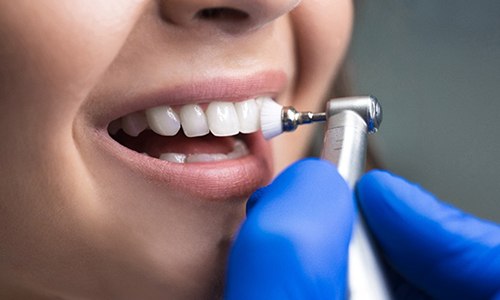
(435, 67)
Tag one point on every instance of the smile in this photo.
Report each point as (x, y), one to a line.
(164, 131)
(199, 138)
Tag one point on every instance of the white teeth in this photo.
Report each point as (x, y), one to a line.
(135, 123)
(222, 119)
(204, 157)
(174, 157)
(239, 150)
(193, 120)
(163, 120)
(259, 101)
(248, 116)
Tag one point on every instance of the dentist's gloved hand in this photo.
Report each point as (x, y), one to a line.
(294, 242)
(432, 248)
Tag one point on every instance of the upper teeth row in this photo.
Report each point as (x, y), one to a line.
(219, 118)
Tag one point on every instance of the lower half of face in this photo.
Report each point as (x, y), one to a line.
(131, 138)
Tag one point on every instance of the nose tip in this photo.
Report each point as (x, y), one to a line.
(233, 16)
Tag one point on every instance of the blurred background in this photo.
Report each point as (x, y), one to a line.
(435, 67)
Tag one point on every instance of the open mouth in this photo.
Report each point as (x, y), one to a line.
(191, 133)
(202, 138)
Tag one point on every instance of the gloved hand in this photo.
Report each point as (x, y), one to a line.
(432, 248)
(294, 242)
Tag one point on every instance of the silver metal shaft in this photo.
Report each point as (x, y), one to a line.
(368, 108)
(291, 118)
(345, 145)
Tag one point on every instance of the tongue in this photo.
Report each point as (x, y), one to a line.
(154, 144)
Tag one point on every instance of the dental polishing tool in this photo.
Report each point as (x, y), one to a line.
(349, 121)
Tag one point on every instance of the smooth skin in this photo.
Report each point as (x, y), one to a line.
(76, 226)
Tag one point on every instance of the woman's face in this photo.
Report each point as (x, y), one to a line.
(84, 214)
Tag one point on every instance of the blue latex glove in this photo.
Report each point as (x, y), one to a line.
(432, 248)
(294, 242)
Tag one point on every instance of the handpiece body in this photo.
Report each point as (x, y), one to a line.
(345, 144)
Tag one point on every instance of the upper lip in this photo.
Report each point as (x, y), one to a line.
(264, 83)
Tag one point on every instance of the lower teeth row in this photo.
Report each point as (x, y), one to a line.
(239, 150)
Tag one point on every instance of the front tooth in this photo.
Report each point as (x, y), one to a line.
(239, 150)
(174, 157)
(134, 123)
(163, 120)
(204, 157)
(259, 101)
(248, 115)
(193, 119)
(222, 119)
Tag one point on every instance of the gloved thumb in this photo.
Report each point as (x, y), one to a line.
(435, 247)
(294, 241)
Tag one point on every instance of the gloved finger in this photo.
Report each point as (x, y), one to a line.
(294, 242)
(441, 250)
(400, 288)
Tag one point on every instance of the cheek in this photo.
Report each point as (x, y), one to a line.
(51, 54)
(323, 30)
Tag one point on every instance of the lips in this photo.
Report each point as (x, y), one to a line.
(209, 156)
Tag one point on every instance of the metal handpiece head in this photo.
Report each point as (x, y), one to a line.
(367, 107)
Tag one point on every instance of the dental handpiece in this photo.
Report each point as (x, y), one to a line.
(349, 121)
(345, 144)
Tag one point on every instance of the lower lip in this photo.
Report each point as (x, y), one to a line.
(213, 181)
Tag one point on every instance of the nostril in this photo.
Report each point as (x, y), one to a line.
(222, 14)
